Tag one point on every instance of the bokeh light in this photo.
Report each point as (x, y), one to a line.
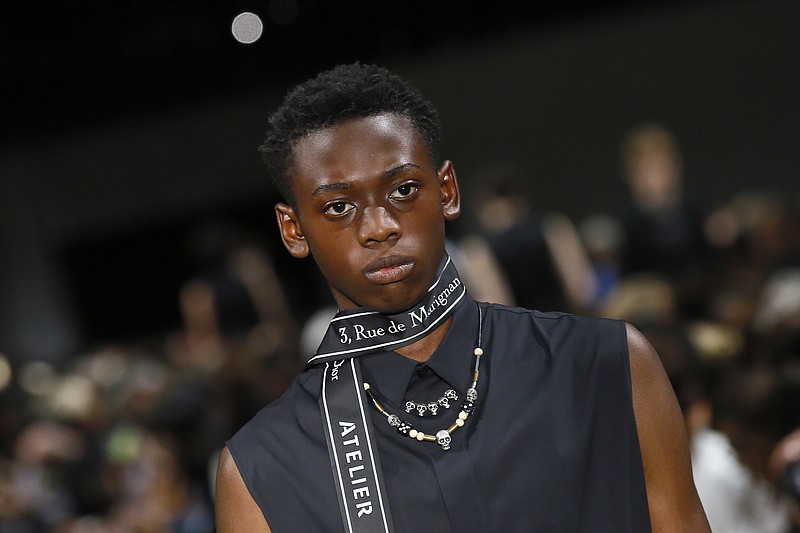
(247, 27)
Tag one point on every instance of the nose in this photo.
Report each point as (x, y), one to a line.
(378, 225)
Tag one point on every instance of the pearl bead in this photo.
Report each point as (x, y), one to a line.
(420, 436)
(462, 415)
(460, 422)
(366, 386)
(478, 351)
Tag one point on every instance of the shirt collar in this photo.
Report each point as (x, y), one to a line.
(390, 372)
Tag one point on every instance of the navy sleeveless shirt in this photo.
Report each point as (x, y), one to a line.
(551, 446)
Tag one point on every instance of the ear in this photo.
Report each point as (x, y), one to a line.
(291, 232)
(451, 197)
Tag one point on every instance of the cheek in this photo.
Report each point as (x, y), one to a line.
(433, 224)
(335, 255)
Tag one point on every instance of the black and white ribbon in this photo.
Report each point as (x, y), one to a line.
(353, 454)
(351, 445)
(361, 331)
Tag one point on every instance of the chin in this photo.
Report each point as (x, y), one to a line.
(394, 307)
(392, 301)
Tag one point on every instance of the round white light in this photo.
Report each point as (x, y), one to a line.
(247, 27)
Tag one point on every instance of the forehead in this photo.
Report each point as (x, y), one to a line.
(357, 148)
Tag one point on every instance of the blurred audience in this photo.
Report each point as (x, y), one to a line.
(124, 438)
(518, 256)
(717, 292)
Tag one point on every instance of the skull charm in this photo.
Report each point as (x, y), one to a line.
(410, 406)
(443, 439)
(433, 407)
(472, 394)
(421, 408)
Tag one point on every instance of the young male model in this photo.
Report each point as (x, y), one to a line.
(424, 409)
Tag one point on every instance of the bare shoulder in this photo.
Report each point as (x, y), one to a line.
(235, 508)
(671, 494)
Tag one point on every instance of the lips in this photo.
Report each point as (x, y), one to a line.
(389, 269)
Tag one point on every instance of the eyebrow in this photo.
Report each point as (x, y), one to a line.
(392, 172)
(339, 186)
(329, 187)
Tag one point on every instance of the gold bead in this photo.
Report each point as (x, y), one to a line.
(478, 351)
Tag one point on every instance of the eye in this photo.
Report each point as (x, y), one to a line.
(404, 191)
(338, 208)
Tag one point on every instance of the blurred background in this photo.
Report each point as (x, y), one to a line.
(635, 159)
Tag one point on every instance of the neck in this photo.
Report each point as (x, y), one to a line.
(422, 350)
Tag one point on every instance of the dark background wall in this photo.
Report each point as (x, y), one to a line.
(125, 129)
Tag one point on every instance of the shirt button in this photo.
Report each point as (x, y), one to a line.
(422, 371)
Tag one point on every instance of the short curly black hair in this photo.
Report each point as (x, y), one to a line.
(346, 91)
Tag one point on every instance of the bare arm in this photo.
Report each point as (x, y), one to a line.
(234, 506)
(671, 494)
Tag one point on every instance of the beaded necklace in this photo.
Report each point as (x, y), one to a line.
(432, 407)
(443, 436)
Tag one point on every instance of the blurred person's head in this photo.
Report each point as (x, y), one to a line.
(777, 315)
(757, 406)
(770, 227)
(652, 167)
(498, 198)
(602, 235)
